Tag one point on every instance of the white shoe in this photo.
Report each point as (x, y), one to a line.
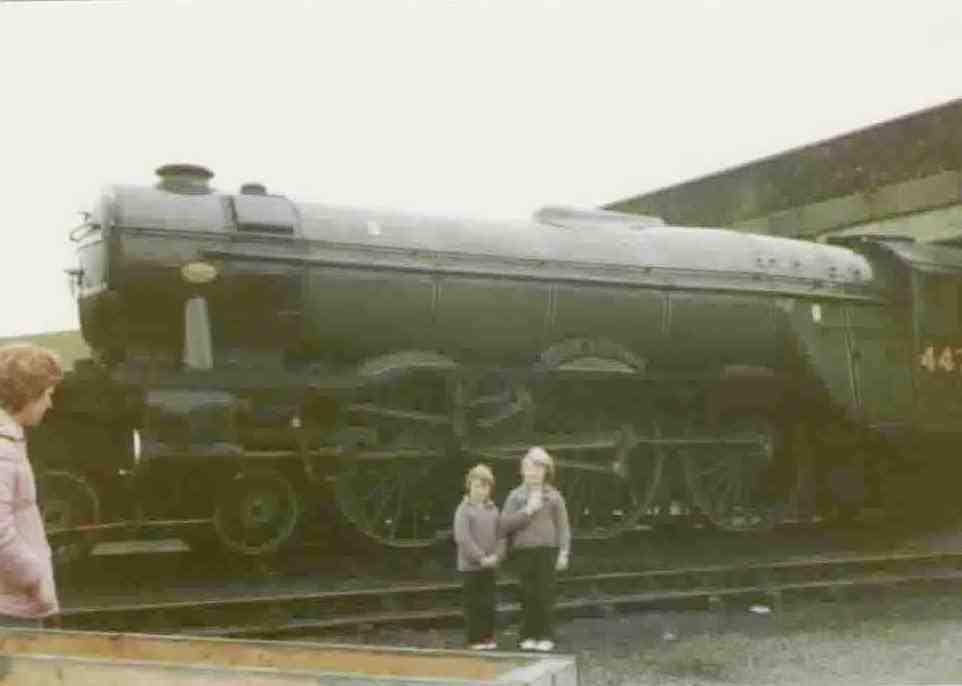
(478, 646)
(529, 644)
(545, 646)
(490, 645)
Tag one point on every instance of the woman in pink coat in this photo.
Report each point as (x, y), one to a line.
(28, 376)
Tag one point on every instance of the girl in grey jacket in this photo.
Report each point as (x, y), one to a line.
(536, 518)
(480, 549)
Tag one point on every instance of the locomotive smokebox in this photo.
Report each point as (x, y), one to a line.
(189, 179)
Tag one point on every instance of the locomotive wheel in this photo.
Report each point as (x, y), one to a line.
(406, 502)
(257, 512)
(723, 482)
(606, 498)
(68, 500)
(600, 505)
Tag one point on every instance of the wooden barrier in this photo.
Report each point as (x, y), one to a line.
(48, 657)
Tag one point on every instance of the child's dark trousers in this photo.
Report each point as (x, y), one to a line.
(536, 569)
(479, 605)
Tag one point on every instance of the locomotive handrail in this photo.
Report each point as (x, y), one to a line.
(132, 524)
(563, 271)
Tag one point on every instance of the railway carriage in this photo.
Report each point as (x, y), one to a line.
(261, 362)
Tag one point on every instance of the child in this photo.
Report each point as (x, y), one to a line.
(537, 519)
(480, 549)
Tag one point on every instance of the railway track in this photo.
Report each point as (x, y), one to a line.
(273, 615)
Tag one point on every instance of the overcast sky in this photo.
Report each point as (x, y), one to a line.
(463, 107)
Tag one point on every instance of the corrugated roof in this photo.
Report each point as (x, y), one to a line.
(912, 146)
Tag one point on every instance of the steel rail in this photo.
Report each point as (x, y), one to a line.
(271, 614)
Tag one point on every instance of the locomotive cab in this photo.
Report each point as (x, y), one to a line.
(924, 286)
(936, 287)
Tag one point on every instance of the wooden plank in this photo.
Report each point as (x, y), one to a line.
(80, 658)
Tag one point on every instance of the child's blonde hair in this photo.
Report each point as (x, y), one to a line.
(539, 456)
(480, 472)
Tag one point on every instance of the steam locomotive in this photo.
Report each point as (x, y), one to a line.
(258, 361)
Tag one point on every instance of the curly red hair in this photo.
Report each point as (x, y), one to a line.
(26, 371)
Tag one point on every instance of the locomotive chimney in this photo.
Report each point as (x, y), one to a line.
(189, 179)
